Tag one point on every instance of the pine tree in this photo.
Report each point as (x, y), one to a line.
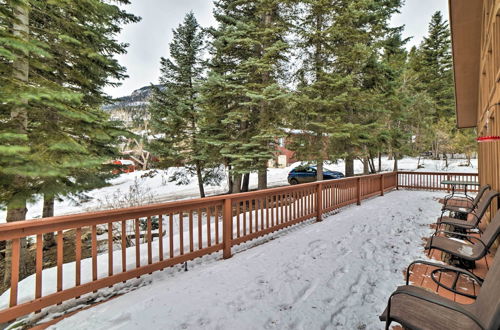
(175, 107)
(320, 93)
(396, 98)
(358, 30)
(434, 65)
(65, 50)
(243, 91)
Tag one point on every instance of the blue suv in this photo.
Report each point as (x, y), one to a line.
(304, 174)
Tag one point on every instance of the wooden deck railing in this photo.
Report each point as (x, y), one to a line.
(432, 180)
(101, 249)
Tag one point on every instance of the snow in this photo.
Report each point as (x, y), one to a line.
(336, 274)
(157, 189)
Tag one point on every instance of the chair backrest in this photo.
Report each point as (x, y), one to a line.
(487, 305)
(484, 204)
(492, 231)
(480, 194)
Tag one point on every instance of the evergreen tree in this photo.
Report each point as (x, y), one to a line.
(65, 50)
(320, 93)
(175, 107)
(434, 65)
(359, 29)
(243, 91)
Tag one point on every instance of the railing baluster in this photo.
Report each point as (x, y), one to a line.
(216, 221)
(250, 202)
(256, 214)
(171, 235)
(191, 229)
(181, 233)
(209, 229)
(200, 230)
(94, 252)
(244, 213)
(110, 249)
(150, 239)
(273, 210)
(137, 244)
(39, 266)
(78, 256)
(124, 246)
(14, 270)
(238, 219)
(267, 211)
(160, 236)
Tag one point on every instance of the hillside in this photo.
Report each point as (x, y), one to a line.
(131, 109)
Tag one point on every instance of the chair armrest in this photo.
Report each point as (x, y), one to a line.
(442, 266)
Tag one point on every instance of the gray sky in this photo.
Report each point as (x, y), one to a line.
(149, 38)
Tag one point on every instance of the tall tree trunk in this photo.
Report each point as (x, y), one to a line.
(262, 178)
(349, 166)
(199, 174)
(16, 208)
(365, 166)
(319, 168)
(380, 162)
(372, 165)
(229, 180)
(395, 162)
(246, 182)
(236, 183)
(48, 211)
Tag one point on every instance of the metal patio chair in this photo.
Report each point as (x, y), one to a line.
(475, 249)
(473, 218)
(416, 308)
(462, 204)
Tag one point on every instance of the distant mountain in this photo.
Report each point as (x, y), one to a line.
(131, 109)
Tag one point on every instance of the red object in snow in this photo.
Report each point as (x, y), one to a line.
(488, 138)
(128, 166)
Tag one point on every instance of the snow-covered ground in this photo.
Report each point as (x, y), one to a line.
(136, 188)
(337, 274)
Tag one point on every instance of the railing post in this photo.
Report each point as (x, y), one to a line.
(397, 180)
(381, 185)
(319, 202)
(358, 184)
(227, 228)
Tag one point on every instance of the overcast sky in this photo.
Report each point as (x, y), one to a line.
(149, 38)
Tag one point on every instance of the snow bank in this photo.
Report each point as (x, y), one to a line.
(336, 274)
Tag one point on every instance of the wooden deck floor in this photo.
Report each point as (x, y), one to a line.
(421, 276)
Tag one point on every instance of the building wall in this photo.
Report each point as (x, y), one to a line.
(489, 94)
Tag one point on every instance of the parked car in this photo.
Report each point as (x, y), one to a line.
(304, 174)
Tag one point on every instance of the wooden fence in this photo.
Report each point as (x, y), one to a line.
(102, 249)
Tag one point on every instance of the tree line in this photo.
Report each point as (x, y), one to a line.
(334, 71)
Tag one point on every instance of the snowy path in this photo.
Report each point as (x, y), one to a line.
(336, 274)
